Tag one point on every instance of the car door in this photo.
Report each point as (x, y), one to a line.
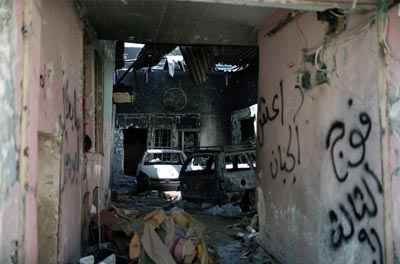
(198, 178)
(238, 172)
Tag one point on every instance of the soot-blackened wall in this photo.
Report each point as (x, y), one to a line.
(214, 100)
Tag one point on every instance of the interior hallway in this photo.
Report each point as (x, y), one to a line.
(324, 76)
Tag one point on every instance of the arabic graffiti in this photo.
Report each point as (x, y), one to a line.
(71, 124)
(357, 140)
(264, 113)
(354, 215)
(288, 162)
(285, 157)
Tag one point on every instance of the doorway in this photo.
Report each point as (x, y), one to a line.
(135, 142)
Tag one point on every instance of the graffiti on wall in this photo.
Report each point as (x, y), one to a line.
(286, 156)
(352, 218)
(72, 137)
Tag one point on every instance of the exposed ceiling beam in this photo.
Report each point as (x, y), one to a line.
(316, 5)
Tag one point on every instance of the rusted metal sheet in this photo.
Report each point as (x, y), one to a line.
(202, 60)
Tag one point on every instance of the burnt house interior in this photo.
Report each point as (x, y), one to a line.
(181, 82)
(184, 97)
(199, 131)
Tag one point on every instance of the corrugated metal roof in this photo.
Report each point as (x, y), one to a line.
(201, 60)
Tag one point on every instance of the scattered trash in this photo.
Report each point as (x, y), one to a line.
(187, 205)
(254, 222)
(87, 260)
(205, 205)
(109, 260)
(243, 253)
(123, 188)
(172, 195)
(159, 237)
(155, 227)
(225, 210)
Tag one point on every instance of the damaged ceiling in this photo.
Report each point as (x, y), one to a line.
(200, 60)
(174, 22)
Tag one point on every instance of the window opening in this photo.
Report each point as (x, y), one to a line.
(201, 163)
(236, 162)
(247, 133)
(164, 158)
(188, 140)
(162, 138)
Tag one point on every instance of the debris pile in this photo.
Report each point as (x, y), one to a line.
(158, 237)
(245, 249)
(229, 210)
(123, 188)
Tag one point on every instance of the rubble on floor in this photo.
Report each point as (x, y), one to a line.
(123, 188)
(229, 210)
(159, 237)
(161, 228)
(240, 243)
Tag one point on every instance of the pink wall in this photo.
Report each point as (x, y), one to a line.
(319, 149)
(393, 82)
(98, 162)
(43, 63)
(19, 239)
(32, 65)
(10, 80)
(60, 111)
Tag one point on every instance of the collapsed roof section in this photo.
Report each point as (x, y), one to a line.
(198, 60)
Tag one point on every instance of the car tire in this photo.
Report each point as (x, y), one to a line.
(253, 198)
(250, 198)
(142, 185)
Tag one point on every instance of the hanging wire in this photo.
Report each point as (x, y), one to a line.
(330, 42)
(339, 40)
(336, 14)
(316, 60)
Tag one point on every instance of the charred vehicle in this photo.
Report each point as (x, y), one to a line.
(219, 175)
(159, 169)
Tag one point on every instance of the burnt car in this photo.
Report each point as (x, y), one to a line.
(219, 176)
(159, 169)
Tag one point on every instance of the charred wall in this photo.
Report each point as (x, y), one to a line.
(213, 100)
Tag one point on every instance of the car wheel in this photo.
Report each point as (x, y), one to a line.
(250, 198)
(142, 186)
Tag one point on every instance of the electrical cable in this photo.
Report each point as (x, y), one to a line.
(339, 40)
(316, 60)
(335, 41)
(336, 14)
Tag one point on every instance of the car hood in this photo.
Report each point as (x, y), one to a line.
(162, 171)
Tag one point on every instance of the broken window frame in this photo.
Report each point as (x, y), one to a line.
(247, 130)
(163, 138)
(182, 135)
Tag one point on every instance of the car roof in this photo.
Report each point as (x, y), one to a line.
(164, 151)
(227, 151)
